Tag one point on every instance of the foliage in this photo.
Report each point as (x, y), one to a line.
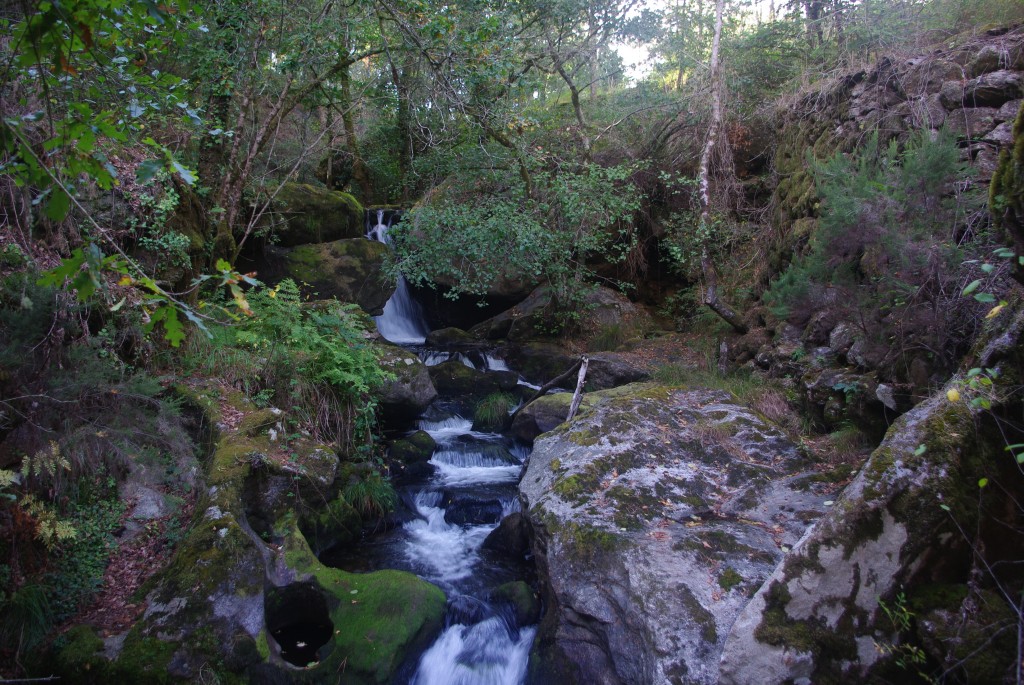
(575, 215)
(313, 358)
(151, 230)
(78, 564)
(894, 229)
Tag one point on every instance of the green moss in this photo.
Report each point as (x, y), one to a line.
(568, 488)
(585, 437)
(729, 579)
(378, 617)
(862, 529)
(925, 598)
(587, 541)
(699, 615)
(522, 598)
(779, 630)
(555, 464)
(144, 659)
(82, 653)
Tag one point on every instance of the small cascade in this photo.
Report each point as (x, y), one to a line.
(402, 321)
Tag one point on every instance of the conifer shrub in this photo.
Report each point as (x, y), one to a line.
(898, 228)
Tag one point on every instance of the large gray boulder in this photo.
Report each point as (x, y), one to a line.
(657, 513)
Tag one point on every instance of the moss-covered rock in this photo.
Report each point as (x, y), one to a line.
(898, 523)
(78, 653)
(449, 336)
(1006, 193)
(542, 415)
(417, 447)
(312, 214)
(350, 270)
(455, 379)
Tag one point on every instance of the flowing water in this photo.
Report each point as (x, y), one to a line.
(472, 487)
(402, 321)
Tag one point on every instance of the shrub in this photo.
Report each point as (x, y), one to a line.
(370, 494)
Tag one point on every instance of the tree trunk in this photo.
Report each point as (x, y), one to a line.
(577, 108)
(360, 174)
(711, 298)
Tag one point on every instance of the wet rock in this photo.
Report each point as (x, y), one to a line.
(413, 448)
(444, 337)
(411, 391)
(463, 510)
(525, 602)
(455, 379)
(511, 537)
(680, 497)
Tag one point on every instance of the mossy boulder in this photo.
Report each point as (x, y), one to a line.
(380, 619)
(350, 270)
(639, 506)
(539, 362)
(455, 379)
(603, 314)
(449, 336)
(523, 599)
(542, 415)
(312, 214)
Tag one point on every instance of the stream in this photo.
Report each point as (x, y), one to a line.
(450, 513)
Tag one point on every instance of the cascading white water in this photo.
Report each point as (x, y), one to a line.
(485, 653)
(402, 321)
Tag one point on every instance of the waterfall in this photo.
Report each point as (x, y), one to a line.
(402, 321)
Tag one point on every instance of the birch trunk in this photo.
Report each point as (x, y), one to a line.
(711, 298)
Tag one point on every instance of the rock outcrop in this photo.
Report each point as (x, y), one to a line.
(411, 391)
(901, 538)
(657, 512)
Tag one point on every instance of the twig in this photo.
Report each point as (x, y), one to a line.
(547, 386)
